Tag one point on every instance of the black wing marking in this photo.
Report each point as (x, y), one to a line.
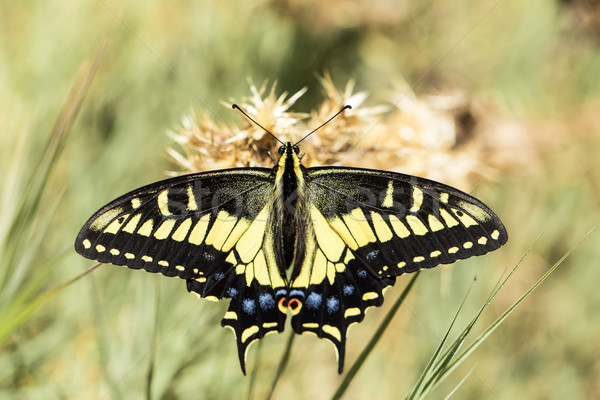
(409, 223)
(365, 227)
(211, 229)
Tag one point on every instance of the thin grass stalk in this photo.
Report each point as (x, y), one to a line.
(462, 381)
(254, 373)
(152, 360)
(282, 364)
(374, 339)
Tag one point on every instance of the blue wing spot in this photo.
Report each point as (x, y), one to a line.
(372, 255)
(313, 300)
(232, 292)
(333, 304)
(296, 293)
(249, 306)
(361, 273)
(280, 292)
(348, 290)
(209, 257)
(218, 276)
(266, 301)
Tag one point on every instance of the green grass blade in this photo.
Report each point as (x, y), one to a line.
(437, 361)
(463, 380)
(437, 368)
(255, 369)
(449, 360)
(481, 338)
(24, 234)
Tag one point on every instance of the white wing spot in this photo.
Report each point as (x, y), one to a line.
(114, 226)
(192, 205)
(475, 211)
(444, 198)
(435, 223)
(388, 201)
(370, 296)
(146, 228)
(352, 312)
(399, 227)
(133, 223)
(197, 234)
(182, 230)
(382, 229)
(163, 202)
(417, 199)
(105, 218)
(164, 230)
(333, 331)
(416, 225)
(448, 219)
(466, 219)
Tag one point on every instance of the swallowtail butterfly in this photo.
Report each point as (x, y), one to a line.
(318, 243)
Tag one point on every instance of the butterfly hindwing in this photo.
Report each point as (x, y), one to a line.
(365, 227)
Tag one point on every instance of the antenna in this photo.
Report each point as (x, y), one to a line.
(346, 107)
(236, 107)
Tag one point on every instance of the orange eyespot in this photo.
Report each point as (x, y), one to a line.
(282, 305)
(295, 305)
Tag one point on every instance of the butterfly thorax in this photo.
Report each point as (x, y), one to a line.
(289, 195)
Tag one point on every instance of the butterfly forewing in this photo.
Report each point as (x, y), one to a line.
(398, 223)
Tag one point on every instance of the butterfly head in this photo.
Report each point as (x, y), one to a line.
(288, 148)
(289, 158)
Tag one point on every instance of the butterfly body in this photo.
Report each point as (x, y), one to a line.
(320, 244)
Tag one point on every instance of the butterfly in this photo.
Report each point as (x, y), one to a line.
(320, 244)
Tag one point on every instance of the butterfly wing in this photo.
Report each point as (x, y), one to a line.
(212, 229)
(365, 227)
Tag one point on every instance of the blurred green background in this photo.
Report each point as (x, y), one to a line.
(537, 63)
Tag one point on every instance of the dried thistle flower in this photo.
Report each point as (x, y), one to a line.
(432, 137)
